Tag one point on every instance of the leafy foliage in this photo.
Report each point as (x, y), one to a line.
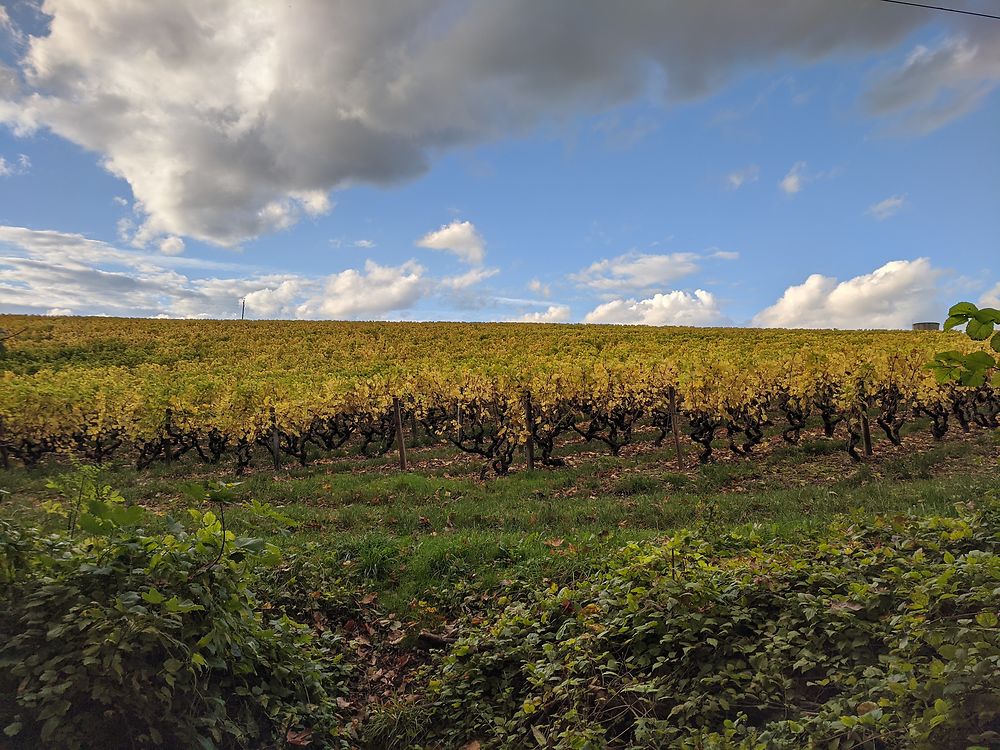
(884, 635)
(125, 639)
(978, 367)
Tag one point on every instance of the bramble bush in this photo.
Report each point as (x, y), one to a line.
(129, 639)
(882, 634)
(977, 368)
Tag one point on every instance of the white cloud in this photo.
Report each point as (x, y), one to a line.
(120, 201)
(886, 208)
(894, 296)
(312, 96)
(9, 85)
(19, 166)
(171, 245)
(739, 178)
(366, 244)
(7, 25)
(725, 255)
(991, 298)
(538, 287)
(553, 314)
(673, 308)
(935, 86)
(470, 278)
(634, 271)
(460, 238)
(275, 301)
(792, 182)
(56, 311)
(374, 292)
(42, 270)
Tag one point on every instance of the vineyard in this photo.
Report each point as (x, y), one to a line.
(240, 392)
(736, 539)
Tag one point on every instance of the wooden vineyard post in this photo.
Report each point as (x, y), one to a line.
(458, 418)
(866, 431)
(4, 458)
(400, 440)
(676, 427)
(529, 420)
(274, 441)
(168, 426)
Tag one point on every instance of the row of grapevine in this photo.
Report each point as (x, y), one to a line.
(191, 394)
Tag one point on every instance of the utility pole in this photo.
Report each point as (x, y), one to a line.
(243, 310)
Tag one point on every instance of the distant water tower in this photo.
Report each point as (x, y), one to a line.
(926, 326)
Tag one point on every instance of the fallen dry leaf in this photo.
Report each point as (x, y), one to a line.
(298, 738)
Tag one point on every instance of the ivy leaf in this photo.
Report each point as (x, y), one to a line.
(153, 597)
(995, 342)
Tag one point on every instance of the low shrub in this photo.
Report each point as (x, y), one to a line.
(129, 639)
(884, 635)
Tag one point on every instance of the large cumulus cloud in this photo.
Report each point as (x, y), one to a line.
(895, 295)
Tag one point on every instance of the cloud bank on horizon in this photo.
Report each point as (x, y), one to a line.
(61, 274)
(230, 122)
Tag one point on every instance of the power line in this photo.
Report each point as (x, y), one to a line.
(940, 7)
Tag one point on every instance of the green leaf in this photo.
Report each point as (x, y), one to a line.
(973, 378)
(13, 728)
(198, 659)
(539, 737)
(92, 525)
(980, 360)
(174, 604)
(963, 308)
(988, 315)
(954, 320)
(995, 342)
(987, 619)
(951, 356)
(172, 665)
(126, 515)
(153, 597)
(194, 490)
(978, 331)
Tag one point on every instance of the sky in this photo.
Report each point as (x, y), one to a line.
(790, 163)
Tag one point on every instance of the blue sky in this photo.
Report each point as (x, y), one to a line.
(838, 168)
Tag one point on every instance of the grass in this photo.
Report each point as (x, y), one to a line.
(419, 535)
